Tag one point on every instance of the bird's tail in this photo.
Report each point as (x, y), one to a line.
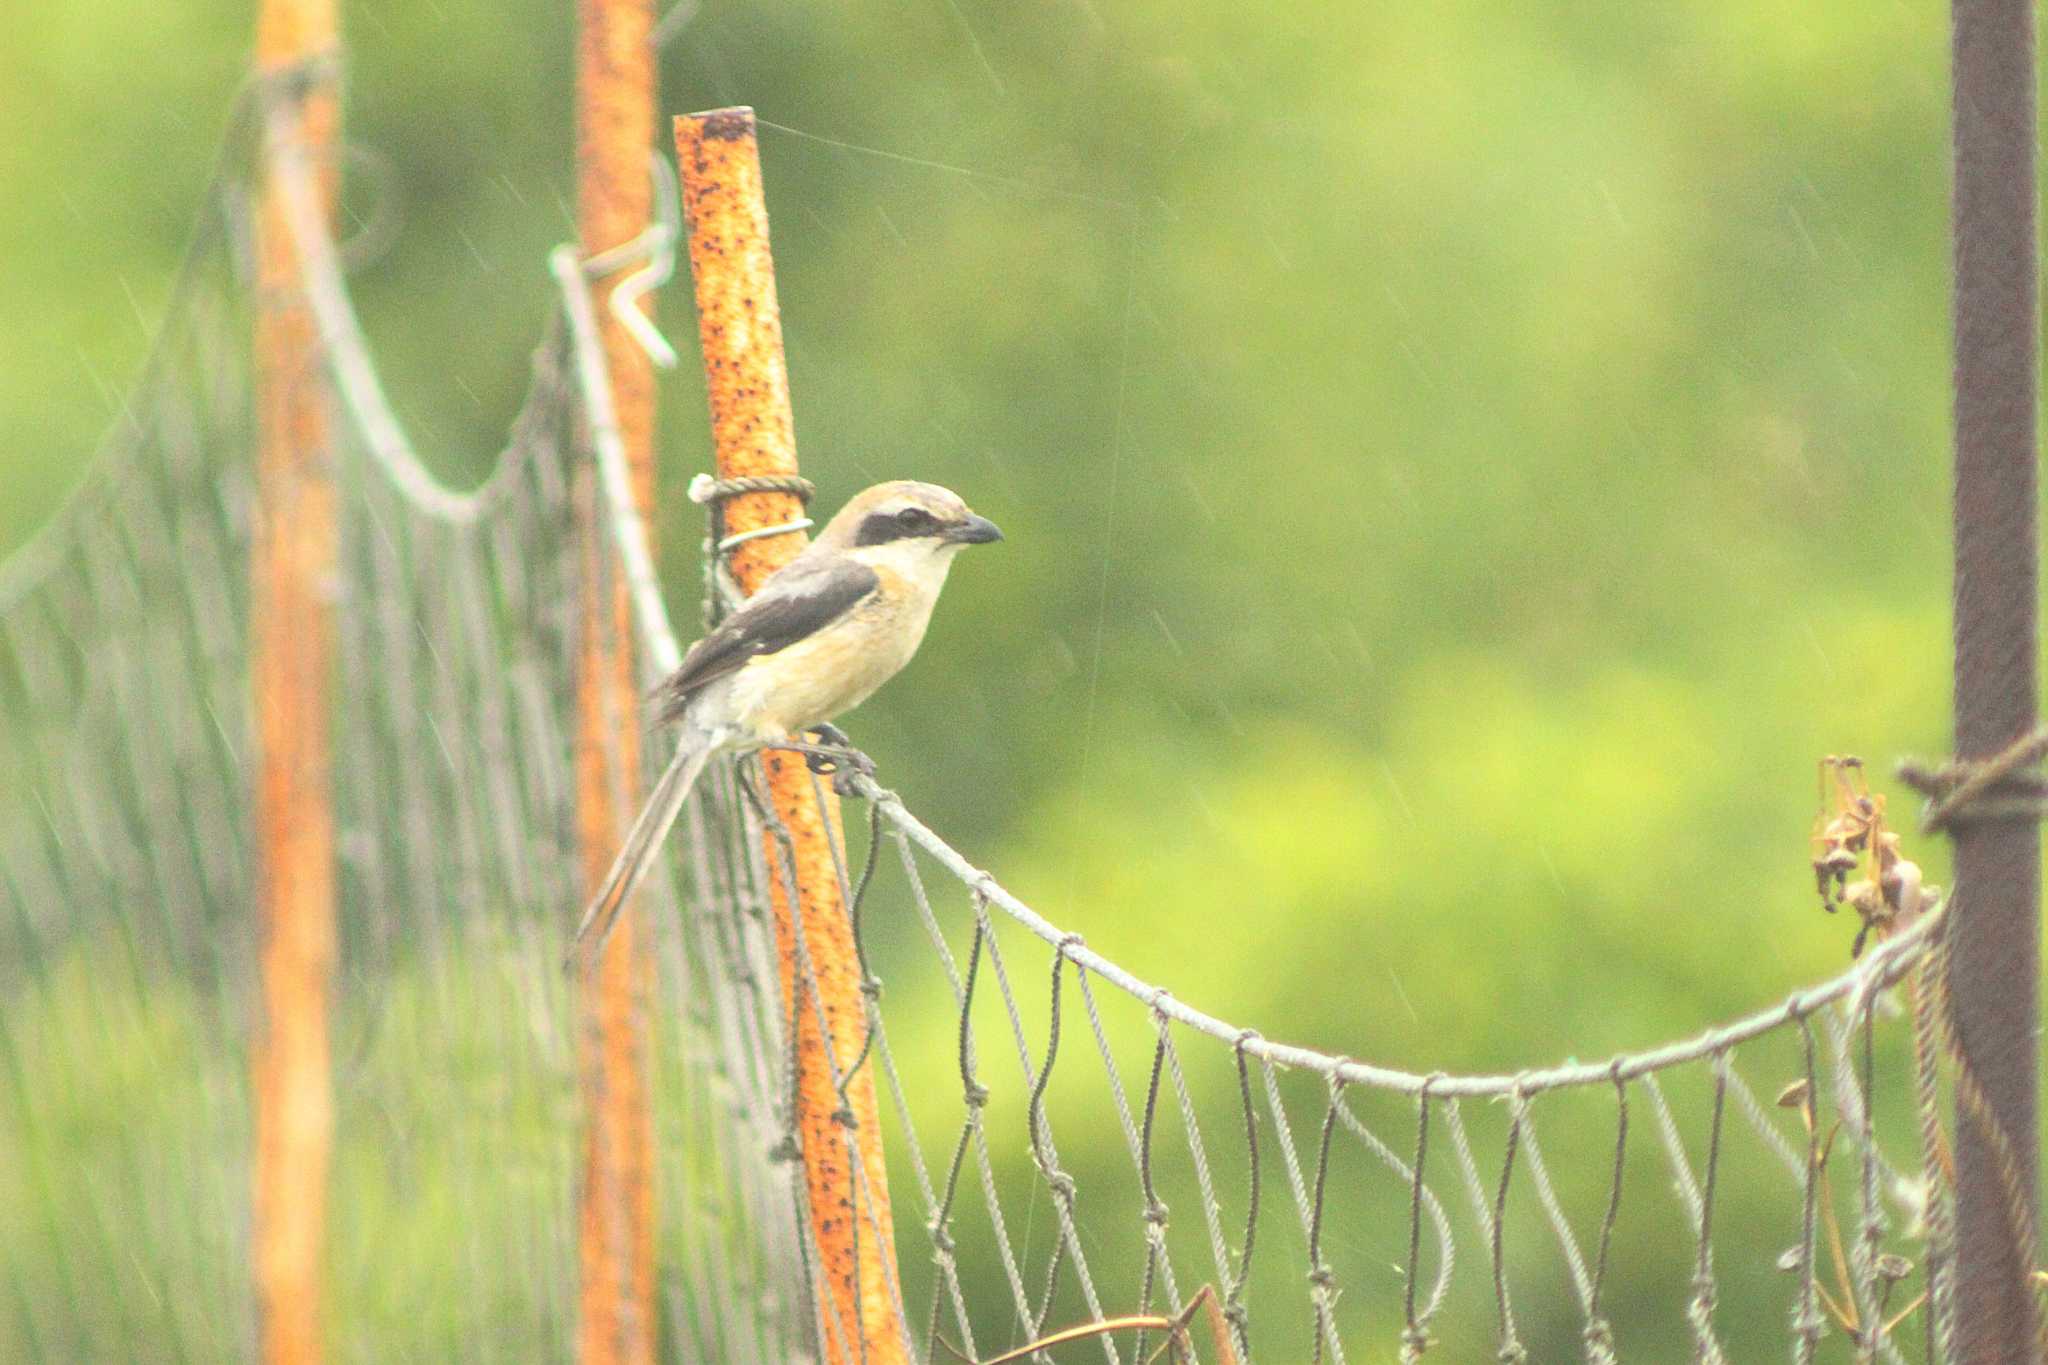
(643, 843)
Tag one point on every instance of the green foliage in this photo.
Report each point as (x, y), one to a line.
(124, 1167)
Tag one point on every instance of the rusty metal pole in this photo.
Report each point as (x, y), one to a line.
(752, 429)
(291, 665)
(614, 137)
(1997, 931)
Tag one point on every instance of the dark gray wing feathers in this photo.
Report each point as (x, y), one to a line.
(796, 603)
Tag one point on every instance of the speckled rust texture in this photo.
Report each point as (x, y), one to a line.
(614, 128)
(744, 369)
(291, 672)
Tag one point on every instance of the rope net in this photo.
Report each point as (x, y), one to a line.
(125, 848)
(1065, 1142)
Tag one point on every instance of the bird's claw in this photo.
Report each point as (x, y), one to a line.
(860, 768)
(845, 765)
(840, 761)
(831, 736)
(834, 756)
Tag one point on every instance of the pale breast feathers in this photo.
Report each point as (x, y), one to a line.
(836, 668)
(802, 599)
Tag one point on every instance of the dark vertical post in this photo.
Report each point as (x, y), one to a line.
(1997, 929)
(614, 137)
(290, 674)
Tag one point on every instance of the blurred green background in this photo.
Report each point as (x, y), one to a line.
(1462, 464)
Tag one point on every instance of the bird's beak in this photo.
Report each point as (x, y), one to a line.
(973, 531)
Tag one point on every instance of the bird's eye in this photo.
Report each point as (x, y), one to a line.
(915, 518)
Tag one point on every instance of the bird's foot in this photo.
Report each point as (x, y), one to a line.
(834, 756)
(859, 768)
(833, 736)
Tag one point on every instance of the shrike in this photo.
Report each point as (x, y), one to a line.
(821, 635)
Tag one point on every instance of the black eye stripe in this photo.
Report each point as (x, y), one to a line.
(879, 528)
(902, 523)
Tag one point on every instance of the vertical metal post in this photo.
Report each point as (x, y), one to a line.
(291, 664)
(614, 138)
(1997, 932)
(753, 431)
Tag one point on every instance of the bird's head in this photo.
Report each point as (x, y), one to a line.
(908, 521)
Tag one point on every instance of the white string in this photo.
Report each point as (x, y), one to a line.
(664, 655)
(345, 352)
(1878, 968)
(703, 488)
(658, 244)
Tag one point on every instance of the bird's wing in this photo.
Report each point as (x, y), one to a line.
(795, 604)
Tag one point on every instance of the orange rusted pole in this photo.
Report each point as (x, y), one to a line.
(291, 663)
(614, 134)
(752, 429)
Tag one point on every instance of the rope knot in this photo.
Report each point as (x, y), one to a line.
(1598, 1339)
(713, 493)
(1414, 1344)
(942, 1240)
(1514, 1353)
(1062, 1185)
(1322, 1279)
(1975, 790)
(1155, 1214)
(975, 1096)
(789, 1149)
(871, 987)
(843, 1116)
(706, 489)
(1704, 1297)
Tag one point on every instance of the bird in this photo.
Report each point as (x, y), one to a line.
(822, 634)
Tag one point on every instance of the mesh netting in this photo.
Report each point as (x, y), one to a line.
(1066, 1142)
(125, 849)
